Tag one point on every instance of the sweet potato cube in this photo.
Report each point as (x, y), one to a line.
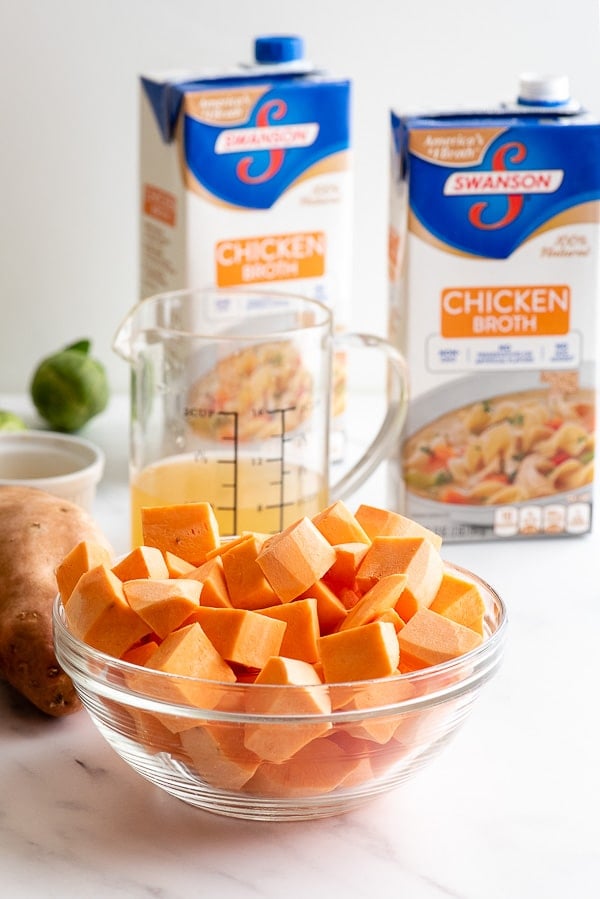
(198, 674)
(317, 768)
(360, 653)
(360, 751)
(85, 555)
(219, 755)
(140, 653)
(141, 562)
(240, 635)
(387, 692)
(176, 566)
(338, 525)
(153, 734)
(461, 601)
(302, 693)
(302, 628)
(189, 652)
(348, 597)
(163, 603)
(226, 545)
(295, 558)
(383, 523)
(383, 595)
(430, 638)
(391, 615)
(189, 530)
(330, 609)
(357, 750)
(413, 556)
(98, 613)
(284, 671)
(214, 587)
(342, 573)
(247, 585)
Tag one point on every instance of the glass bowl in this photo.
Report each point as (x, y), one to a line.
(279, 753)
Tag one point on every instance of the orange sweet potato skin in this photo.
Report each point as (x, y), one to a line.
(37, 530)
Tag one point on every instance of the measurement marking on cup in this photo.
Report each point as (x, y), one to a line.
(234, 483)
(282, 469)
(276, 458)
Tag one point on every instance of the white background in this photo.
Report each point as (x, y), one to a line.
(68, 110)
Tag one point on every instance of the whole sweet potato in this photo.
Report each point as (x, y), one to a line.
(37, 530)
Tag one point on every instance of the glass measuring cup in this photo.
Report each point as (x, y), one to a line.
(231, 403)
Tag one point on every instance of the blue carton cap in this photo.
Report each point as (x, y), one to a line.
(278, 48)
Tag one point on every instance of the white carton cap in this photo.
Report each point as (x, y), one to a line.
(543, 90)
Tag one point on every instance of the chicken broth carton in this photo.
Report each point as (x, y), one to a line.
(493, 262)
(246, 181)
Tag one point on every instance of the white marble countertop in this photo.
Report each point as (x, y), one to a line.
(509, 810)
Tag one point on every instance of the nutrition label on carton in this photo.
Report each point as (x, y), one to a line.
(483, 354)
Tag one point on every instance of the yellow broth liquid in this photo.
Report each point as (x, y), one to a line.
(250, 496)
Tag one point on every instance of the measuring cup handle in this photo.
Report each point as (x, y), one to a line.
(388, 435)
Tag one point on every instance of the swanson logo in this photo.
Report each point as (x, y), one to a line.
(269, 139)
(513, 183)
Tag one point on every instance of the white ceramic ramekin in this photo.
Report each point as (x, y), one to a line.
(66, 466)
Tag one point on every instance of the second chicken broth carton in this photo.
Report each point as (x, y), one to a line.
(494, 286)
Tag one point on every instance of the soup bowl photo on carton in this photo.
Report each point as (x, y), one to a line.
(437, 413)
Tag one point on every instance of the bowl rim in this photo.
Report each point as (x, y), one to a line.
(475, 667)
(89, 459)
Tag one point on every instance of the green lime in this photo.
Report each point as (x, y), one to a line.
(70, 387)
(11, 422)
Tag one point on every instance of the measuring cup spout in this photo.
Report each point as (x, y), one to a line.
(124, 343)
